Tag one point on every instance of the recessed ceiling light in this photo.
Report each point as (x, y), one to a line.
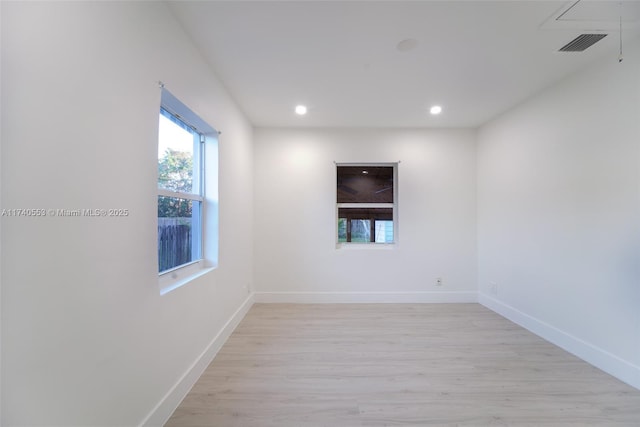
(301, 110)
(436, 109)
(365, 172)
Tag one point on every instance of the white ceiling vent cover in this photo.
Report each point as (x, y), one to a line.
(582, 42)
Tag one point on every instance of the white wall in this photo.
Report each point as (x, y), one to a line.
(559, 214)
(1, 207)
(295, 224)
(86, 337)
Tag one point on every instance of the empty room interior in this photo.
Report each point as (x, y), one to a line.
(320, 213)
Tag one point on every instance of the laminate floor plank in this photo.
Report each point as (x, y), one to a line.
(356, 365)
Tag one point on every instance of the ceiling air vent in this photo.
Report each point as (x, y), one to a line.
(582, 42)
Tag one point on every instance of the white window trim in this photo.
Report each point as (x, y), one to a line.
(179, 276)
(180, 194)
(366, 205)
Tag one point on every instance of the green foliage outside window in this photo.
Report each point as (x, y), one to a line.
(175, 173)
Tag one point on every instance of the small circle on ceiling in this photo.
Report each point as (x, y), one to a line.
(406, 45)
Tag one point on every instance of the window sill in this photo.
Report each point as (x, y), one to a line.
(367, 246)
(171, 281)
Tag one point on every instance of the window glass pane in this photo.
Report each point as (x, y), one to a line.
(384, 231)
(342, 229)
(179, 231)
(366, 213)
(354, 225)
(177, 156)
(360, 230)
(365, 184)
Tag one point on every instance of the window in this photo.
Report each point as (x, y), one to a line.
(185, 210)
(180, 192)
(366, 203)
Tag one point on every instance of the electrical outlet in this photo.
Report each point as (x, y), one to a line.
(438, 281)
(493, 286)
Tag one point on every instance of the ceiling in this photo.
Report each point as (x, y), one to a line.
(347, 62)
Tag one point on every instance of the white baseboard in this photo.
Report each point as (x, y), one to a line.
(163, 410)
(366, 297)
(610, 363)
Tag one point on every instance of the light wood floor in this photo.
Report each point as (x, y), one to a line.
(398, 365)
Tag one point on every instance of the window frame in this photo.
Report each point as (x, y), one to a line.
(204, 134)
(357, 205)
